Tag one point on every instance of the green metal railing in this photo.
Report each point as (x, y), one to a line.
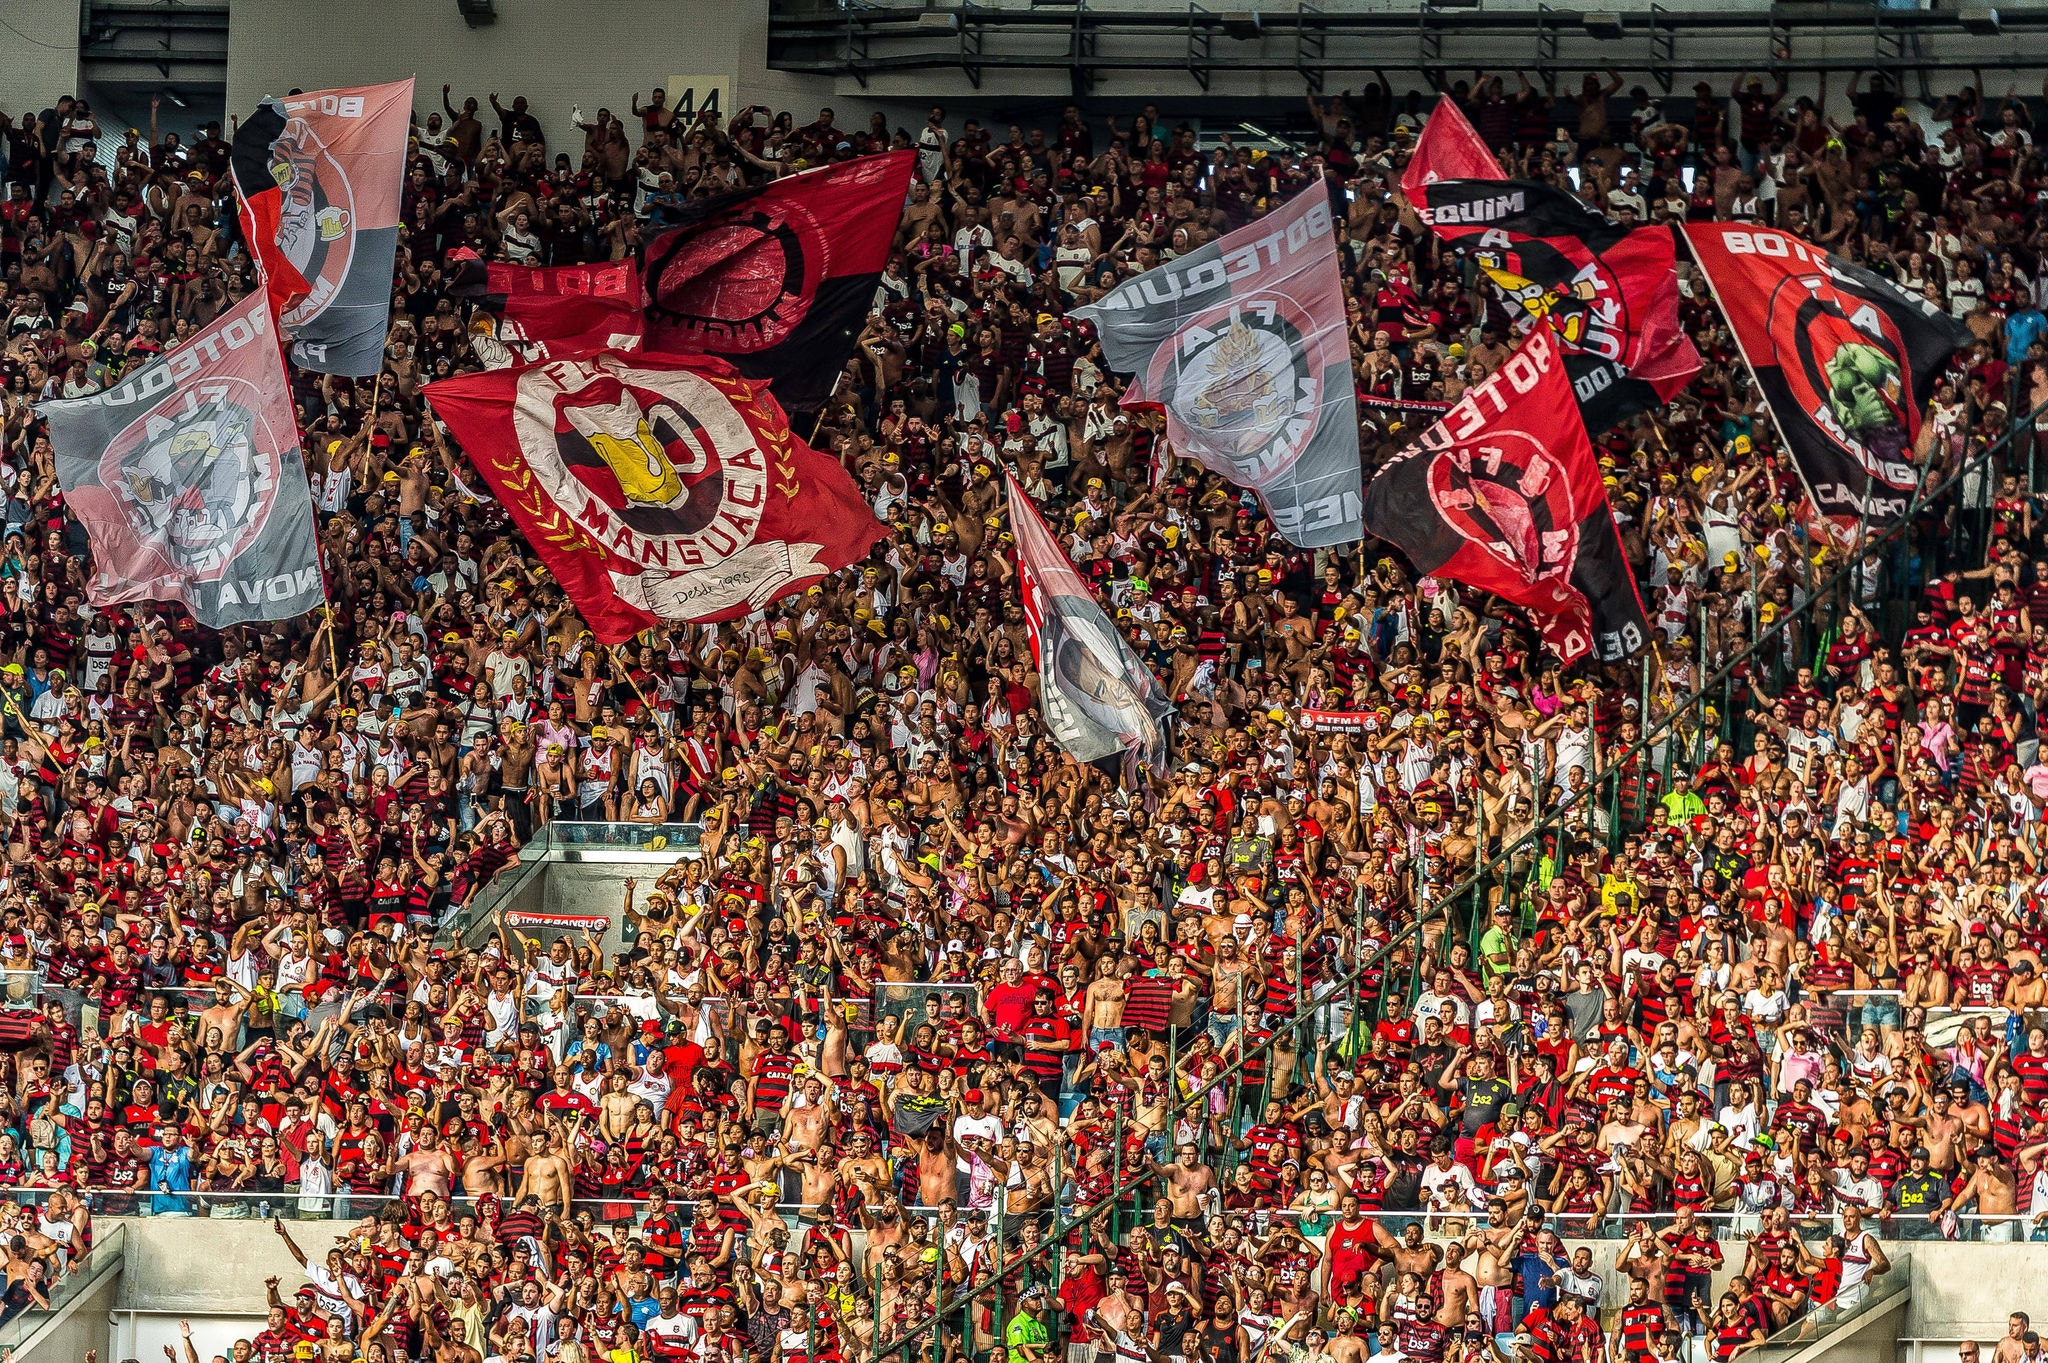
(1938, 531)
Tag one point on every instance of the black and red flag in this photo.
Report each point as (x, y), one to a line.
(320, 175)
(1610, 291)
(525, 315)
(779, 279)
(1504, 494)
(1846, 359)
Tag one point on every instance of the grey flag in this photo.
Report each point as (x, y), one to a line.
(1242, 344)
(189, 480)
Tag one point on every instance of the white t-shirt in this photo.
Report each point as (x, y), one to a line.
(678, 1334)
(988, 1128)
(1436, 1181)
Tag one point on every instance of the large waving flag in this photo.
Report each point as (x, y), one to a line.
(1099, 697)
(778, 279)
(1242, 343)
(657, 487)
(188, 478)
(1611, 292)
(1846, 358)
(543, 314)
(1504, 494)
(320, 177)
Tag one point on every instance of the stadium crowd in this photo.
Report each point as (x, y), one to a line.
(1220, 1035)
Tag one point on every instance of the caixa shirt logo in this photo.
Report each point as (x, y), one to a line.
(196, 477)
(1244, 382)
(316, 222)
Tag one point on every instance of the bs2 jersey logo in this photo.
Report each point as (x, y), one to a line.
(1248, 379)
(314, 221)
(742, 285)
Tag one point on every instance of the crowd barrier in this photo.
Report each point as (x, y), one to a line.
(1949, 522)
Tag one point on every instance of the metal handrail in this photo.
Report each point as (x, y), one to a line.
(1475, 884)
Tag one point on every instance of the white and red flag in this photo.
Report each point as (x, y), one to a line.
(657, 487)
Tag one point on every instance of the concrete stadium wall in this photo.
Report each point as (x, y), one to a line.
(555, 54)
(38, 53)
(211, 1272)
(204, 1271)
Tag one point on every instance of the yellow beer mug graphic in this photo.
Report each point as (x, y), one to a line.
(332, 222)
(619, 435)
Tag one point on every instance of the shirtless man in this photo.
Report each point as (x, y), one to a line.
(806, 1121)
(546, 1176)
(2012, 1348)
(1104, 1009)
(938, 1164)
(483, 1171)
(1943, 1125)
(225, 1014)
(1460, 1290)
(449, 1347)
(820, 1172)
(1346, 1346)
(883, 1217)
(1645, 1259)
(428, 1166)
(1495, 1247)
(1189, 1185)
(867, 1169)
(1996, 1190)
(1409, 1254)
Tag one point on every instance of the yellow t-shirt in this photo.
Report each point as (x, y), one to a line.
(1611, 890)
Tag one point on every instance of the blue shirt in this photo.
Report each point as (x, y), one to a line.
(2022, 329)
(1533, 1271)
(169, 1169)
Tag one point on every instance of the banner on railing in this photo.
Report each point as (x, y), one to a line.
(1337, 721)
(595, 922)
(1405, 404)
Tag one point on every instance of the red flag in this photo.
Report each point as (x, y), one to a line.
(531, 314)
(657, 487)
(261, 201)
(1449, 149)
(1611, 293)
(321, 175)
(1846, 359)
(779, 279)
(1504, 494)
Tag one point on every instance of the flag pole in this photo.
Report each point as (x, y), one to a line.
(823, 408)
(626, 670)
